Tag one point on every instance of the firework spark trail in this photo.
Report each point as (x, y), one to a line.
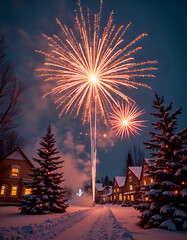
(92, 70)
(124, 120)
(72, 64)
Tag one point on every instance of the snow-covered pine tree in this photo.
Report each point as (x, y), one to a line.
(47, 195)
(166, 205)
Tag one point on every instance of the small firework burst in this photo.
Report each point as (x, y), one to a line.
(124, 120)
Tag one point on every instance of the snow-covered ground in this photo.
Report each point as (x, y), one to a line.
(100, 223)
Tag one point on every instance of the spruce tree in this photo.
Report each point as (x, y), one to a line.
(47, 195)
(166, 205)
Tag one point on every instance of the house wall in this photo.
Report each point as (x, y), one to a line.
(131, 180)
(6, 178)
(117, 193)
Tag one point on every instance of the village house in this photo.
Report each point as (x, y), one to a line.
(144, 179)
(102, 193)
(131, 192)
(14, 169)
(118, 189)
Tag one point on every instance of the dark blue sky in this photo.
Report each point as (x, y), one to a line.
(164, 20)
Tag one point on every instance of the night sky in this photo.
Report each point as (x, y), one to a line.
(165, 21)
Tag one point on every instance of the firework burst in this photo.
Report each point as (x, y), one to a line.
(124, 120)
(94, 66)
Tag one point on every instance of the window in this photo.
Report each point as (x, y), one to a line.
(114, 190)
(28, 191)
(130, 179)
(144, 182)
(151, 180)
(110, 198)
(124, 197)
(114, 197)
(128, 197)
(3, 190)
(14, 190)
(15, 171)
(104, 199)
(132, 197)
(120, 197)
(117, 189)
(131, 187)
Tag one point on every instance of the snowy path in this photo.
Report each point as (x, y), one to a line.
(100, 224)
(104, 222)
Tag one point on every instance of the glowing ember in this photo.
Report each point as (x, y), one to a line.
(124, 120)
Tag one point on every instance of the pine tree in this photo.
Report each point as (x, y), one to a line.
(166, 206)
(47, 195)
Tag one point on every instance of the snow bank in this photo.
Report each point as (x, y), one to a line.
(44, 230)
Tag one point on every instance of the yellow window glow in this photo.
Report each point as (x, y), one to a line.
(124, 197)
(14, 172)
(114, 190)
(132, 197)
(128, 197)
(131, 187)
(14, 190)
(27, 191)
(104, 199)
(151, 180)
(110, 198)
(114, 196)
(2, 190)
(144, 182)
(117, 189)
(120, 197)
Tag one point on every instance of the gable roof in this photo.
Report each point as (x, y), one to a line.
(120, 180)
(13, 153)
(99, 186)
(137, 171)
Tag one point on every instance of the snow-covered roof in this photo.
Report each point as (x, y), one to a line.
(109, 193)
(99, 186)
(136, 171)
(120, 181)
(149, 161)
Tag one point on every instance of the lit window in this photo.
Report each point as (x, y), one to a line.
(117, 189)
(131, 187)
(28, 191)
(114, 196)
(14, 191)
(124, 197)
(114, 190)
(15, 172)
(3, 188)
(110, 198)
(120, 197)
(128, 197)
(104, 199)
(130, 179)
(151, 180)
(132, 197)
(144, 182)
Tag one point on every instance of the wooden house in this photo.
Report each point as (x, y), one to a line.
(102, 193)
(14, 169)
(131, 192)
(118, 189)
(144, 179)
